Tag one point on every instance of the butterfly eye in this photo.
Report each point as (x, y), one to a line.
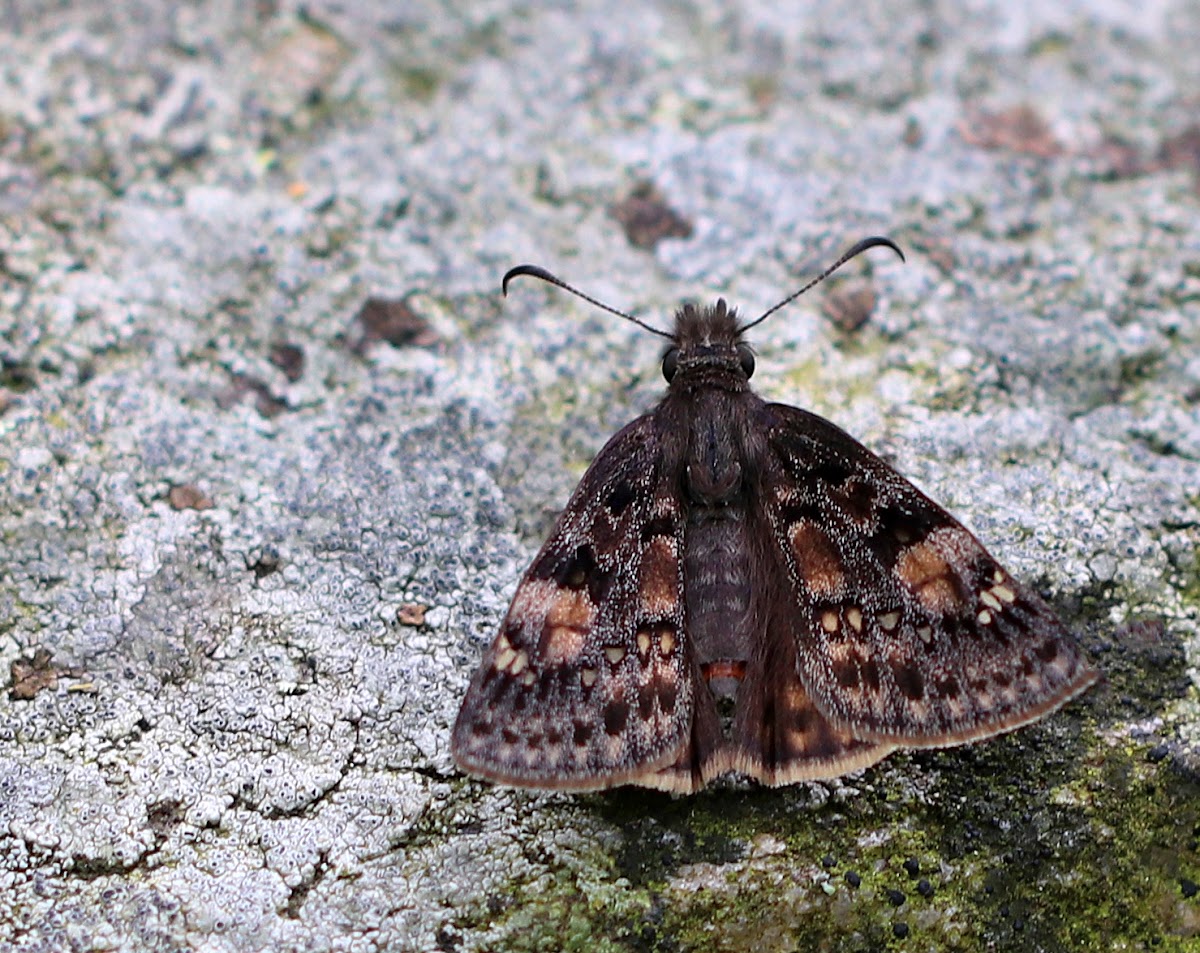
(670, 363)
(746, 359)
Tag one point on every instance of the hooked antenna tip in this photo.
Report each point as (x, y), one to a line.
(519, 270)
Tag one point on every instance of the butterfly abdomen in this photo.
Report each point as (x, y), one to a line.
(718, 586)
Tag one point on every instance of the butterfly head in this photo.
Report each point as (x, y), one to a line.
(707, 345)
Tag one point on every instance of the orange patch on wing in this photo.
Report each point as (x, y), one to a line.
(924, 570)
(568, 621)
(571, 608)
(794, 697)
(818, 561)
(659, 589)
(563, 644)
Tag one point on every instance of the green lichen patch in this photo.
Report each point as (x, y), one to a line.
(573, 908)
(1029, 842)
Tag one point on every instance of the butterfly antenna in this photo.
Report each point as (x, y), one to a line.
(534, 271)
(857, 249)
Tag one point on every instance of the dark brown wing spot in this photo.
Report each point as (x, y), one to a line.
(909, 681)
(490, 675)
(898, 530)
(800, 511)
(574, 570)
(857, 499)
(847, 673)
(583, 734)
(646, 701)
(620, 497)
(569, 569)
(870, 671)
(833, 472)
(616, 716)
(1048, 651)
(662, 526)
(668, 692)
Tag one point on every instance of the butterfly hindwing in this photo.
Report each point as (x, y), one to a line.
(589, 683)
(907, 630)
(780, 734)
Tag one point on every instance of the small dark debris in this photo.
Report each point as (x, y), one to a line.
(298, 68)
(1189, 888)
(16, 376)
(911, 867)
(185, 496)
(392, 320)
(1182, 151)
(853, 879)
(850, 309)
(647, 218)
(265, 565)
(163, 815)
(1117, 159)
(412, 614)
(896, 897)
(827, 861)
(448, 939)
(924, 888)
(266, 403)
(289, 358)
(1157, 753)
(1020, 129)
(914, 133)
(900, 930)
(938, 252)
(32, 673)
(300, 893)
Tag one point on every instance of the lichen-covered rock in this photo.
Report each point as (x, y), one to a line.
(232, 726)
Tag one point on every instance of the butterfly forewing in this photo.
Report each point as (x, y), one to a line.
(907, 629)
(589, 683)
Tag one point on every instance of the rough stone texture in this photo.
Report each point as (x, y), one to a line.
(265, 549)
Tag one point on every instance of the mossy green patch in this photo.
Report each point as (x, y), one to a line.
(1044, 840)
(419, 82)
(1189, 588)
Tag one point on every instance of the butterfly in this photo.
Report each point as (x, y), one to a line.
(741, 586)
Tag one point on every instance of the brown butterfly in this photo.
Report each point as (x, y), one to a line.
(742, 586)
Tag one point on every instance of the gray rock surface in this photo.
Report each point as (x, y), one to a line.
(265, 549)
